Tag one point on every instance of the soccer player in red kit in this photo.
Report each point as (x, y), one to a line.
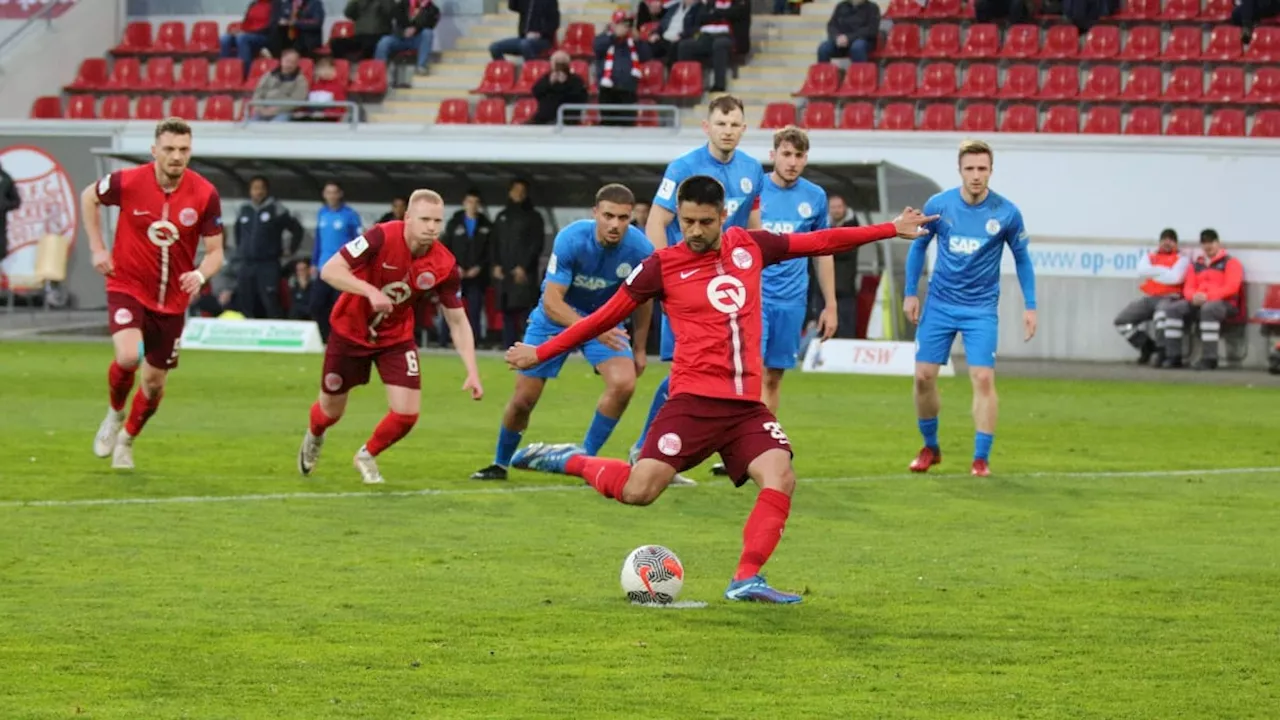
(382, 275)
(165, 212)
(709, 285)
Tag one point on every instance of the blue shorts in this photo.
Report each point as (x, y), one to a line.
(668, 347)
(595, 351)
(978, 328)
(780, 341)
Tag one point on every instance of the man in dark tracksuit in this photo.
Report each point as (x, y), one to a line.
(517, 239)
(260, 227)
(467, 237)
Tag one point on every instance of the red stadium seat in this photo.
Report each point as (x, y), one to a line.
(1224, 44)
(942, 41)
(1186, 84)
(1062, 82)
(684, 82)
(371, 78)
(1216, 11)
(819, 115)
(342, 29)
(185, 107)
(648, 118)
(1226, 85)
(1019, 119)
(524, 110)
(1186, 121)
(171, 37)
(860, 81)
(454, 111)
(115, 107)
(858, 116)
(126, 74)
(903, 41)
(1143, 84)
(903, 9)
(219, 108)
(1135, 10)
(150, 107)
(1227, 122)
(194, 75)
(1021, 82)
(942, 10)
(158, 75)
(1266, 124)
(981, 80)
(1062, 42)
(1143, 121)
(982, 41)
(1141, 44)
(939, 117)
(939, 81)
(228, 76)
(578, 37)
(1265, 48)
(91, 77)
(652, 75)
(1184, 45)
(204, 38)
(1102, 83)
(491, 111)
(233, 28)
(899, 80)
(978, 117)
(307, 67)
(821, 80)
(137, 39)
(1180, 10)
(342, 71)
(1265, 88)
(1102, 42)
(1062, 119)
(778, 115)
(498, 79)
(898, 116)
(1021, 42)
(1102, 120)
(82, 107)
(530, 73)
(260, 67)
(582, 69)
(47, 107)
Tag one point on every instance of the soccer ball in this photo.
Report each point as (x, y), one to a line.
(652, 574)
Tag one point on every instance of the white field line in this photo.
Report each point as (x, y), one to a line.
(515, 489)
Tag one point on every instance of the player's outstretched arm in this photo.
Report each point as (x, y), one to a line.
(523, 357)
(465, 343)
(90, 207)
(338, 274)
(826, 242)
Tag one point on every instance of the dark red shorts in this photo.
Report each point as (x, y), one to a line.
(161, 332)
(347, 365)
(690, 428)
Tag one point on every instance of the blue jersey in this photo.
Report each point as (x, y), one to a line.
(797, 209)
(590, 270)
(971, 242)
(742, 178)
(334, 228)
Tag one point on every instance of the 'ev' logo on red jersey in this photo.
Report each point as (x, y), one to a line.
(397, 292)
(727, 294)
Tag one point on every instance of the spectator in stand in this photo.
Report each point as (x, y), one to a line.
(1015, 11)
(328, 88)
(252, 38)
(852, 31)
(260, 228)
(714, 40)
(297, 24)
(9, 201)
(535, 32)
(1084, 14)
(302, 286)
(559, 87)
(640, 214)
(680, 20)
(839, 215)
(337, 224)
(1248, 13)
(415, 30)
(398, 207)
(1213, 293)
(467, 237)
(1163, 273)
(373, 21)
(517, 240)
(618, 58)
(284, 84)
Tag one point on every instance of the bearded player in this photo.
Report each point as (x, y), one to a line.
(166, 210)
(382, 275)
(710, 285)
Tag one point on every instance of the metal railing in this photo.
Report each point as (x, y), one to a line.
(351, 117)
(44, 14)
(623, 115)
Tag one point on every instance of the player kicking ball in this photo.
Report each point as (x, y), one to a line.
(166, 210)
(964, 295)
(710, 286)
(382, 275)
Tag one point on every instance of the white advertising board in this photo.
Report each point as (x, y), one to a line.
(271, 336)
(864, 357)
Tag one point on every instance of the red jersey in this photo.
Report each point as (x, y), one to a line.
(712, 301)
(158, 233)
(381, 258)
(1220, 278)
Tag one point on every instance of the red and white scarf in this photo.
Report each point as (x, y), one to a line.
(719, 28)
(606, 79)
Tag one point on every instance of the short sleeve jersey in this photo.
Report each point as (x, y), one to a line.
(590, 271)
(971, 241)
(742, 178)
(381, 257)
(800, 208)
(158, 233)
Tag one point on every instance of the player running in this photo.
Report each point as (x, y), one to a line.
(742, 178)
(166, 210)
(964, 295)
(382, 275)
(710, 285)
(588, 261)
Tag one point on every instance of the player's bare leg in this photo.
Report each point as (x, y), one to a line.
(770, 389)
(145, 403)
(773, 472)
(515, 420)
(124, 366)
(326, 411)
(925, 392)
(405, 404)
(986, 406)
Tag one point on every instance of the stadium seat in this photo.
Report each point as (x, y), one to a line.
(137, 39)
(115, 107)
(1102, 120)
(171, 37)
(126, 74)
(219, 108)
(82, 107)
(943, 10)
(1265, 47)
(228, 76)
(982, 41)
(1137, 10)
(652, 75)
(194, 75)
(498, 79)
(149, 107)
(903, 41)
(1142, 43)
(778, 115)
(902, 9)
(820, 81)
(582, 69)
(1186, 121)
(1265, 88)
(1224, 44)
(525, 108)
(91, 77)
(981, 80)
(898, 116)
(158, 75)
(1021, 42)
(1143, 121)
(1021, 82)
(648, 118)
(578, 37)
(978, 117)
(185, 106)
(1266, 124)
(341, 29)
(1102, 83)
(1179, 10)
(491, 111)
(1184, 45)
(1062, 42)
(1186, 84)
(1227, 122)
(684, 82)
(818, 115)
(1019, 119)
(860, 81)
(1143, 84)
(370, 79)
(260, 67)
(342, 71)
(1216, 11)
(899, 80)
(942, 41)
(1102, 42)
(939, 117)
(1226, 85)
(47, 107)
(939, 80)
(530, 73)
(1062, 119)
(307, 67)
(1061, 82)
(858, 116)
(204, 38)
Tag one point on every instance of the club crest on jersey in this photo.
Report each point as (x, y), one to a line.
(123, 316)
(745, 184)
(425, 281)
(805, 210)
(623, 270)
(332, 382)
(993, 226)
(398, 292)
(670, 444)
(727, 294)
(741, 258)
(162, 233)
(188, 217)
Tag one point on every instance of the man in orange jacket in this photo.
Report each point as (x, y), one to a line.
(1162, 273)
(1213, 293)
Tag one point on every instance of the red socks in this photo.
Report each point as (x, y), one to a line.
(120, 381)
(606, 475)
(141, 411)
(319, 421)
(762, 532)
(393, 427)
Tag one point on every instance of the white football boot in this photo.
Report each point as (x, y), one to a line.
(104, 443)
(309, 453)
(677, 480)
(122, 455)
(368, 467)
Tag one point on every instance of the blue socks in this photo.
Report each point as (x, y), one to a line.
(929, 431)
(598, 433)
(659, 399)
(508, 441)
(982, 446)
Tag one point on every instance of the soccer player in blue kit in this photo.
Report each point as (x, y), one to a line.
(742, 177)
(973, 228)
(589, 260)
